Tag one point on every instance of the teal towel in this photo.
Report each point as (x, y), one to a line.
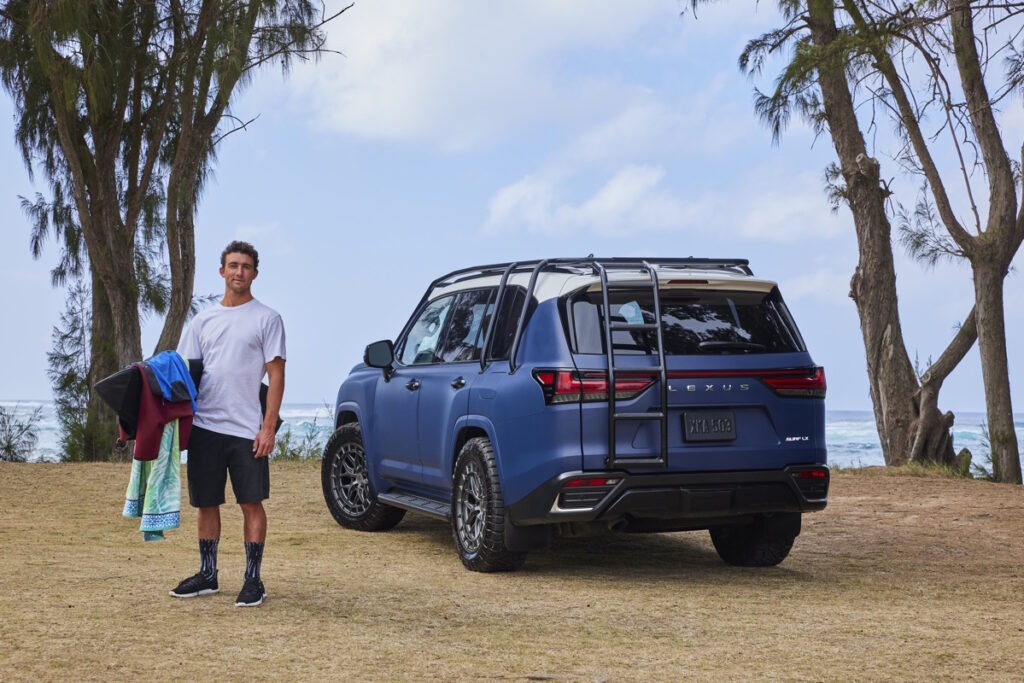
(154, 491)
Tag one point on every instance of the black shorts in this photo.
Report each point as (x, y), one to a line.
(211, 456)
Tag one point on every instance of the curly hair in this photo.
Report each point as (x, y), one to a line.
(239, 247)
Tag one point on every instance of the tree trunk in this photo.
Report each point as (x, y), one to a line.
(932, 440)
(181, 249)
(891, 378)
(988, 293)
(123, 298)
(101, 423)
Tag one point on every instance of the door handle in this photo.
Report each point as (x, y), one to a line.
(412, 385)
(458, 383)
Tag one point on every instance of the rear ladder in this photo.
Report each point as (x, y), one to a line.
(614, 417)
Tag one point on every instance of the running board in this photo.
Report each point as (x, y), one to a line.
(409, 501)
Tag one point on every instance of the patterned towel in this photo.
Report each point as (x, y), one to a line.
(154, 491)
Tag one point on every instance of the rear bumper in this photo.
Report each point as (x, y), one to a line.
(652, 502)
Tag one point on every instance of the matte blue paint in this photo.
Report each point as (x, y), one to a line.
(411, 437)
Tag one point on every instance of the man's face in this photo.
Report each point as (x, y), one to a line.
(238, 272)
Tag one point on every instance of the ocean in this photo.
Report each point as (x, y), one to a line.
(850, 435)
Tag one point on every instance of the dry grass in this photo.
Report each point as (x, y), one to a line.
(900, 578)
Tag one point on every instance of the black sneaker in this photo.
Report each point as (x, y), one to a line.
(253, 594)
(196, 585)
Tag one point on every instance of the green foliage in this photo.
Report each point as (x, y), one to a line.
(131, 81)
(913, 469)
(922, 233)
(309, 447)
(119, 106)
(68, 370)
(18, 436)
(983, 469)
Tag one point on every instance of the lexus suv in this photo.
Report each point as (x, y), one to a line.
(576, 396)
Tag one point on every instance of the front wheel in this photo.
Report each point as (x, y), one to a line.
(478, 511)
(763, 543)
(346, 484)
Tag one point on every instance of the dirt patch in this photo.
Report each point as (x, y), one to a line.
(900, 578)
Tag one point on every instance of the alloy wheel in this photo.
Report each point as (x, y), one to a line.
(350, 480)
(470, 507)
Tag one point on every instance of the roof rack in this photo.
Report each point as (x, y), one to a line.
(740, 266)
(594, 265)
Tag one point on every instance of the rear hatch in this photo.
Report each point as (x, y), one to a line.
(742, 390)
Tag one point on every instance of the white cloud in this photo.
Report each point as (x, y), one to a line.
(631, 201)
(457, 74)
(784, 209)
(826, 285)
(643, 171)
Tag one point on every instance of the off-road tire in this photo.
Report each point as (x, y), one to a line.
(753, 545)
(478, 511)
(346, 484)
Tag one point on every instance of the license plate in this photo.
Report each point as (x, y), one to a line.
(709, 425)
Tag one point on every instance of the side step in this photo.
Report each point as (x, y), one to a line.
(409, 501)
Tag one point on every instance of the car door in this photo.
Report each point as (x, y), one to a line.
(397, 400)
(444, 386)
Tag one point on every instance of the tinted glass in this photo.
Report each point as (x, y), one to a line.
(693, 322)
(508, 318)
(422, 339)
(463, 339)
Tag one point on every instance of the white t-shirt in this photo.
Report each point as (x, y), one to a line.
(235, 343)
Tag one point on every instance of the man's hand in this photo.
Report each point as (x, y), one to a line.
(264, 443)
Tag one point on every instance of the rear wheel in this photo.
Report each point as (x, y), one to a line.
(346, 484)
(478, 511)
(763, 543)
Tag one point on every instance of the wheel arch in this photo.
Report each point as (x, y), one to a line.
(346, 413)
(470, 427)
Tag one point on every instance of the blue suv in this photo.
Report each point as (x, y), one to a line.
(577, 396)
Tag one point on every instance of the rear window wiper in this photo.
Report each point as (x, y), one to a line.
(730, 346)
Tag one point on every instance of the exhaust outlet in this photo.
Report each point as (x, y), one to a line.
(618, 525)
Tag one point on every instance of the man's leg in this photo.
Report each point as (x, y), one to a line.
(207, 473)
(255, 521)
(209, 539)
(250, 479)
(255, 534)
(209, 522)
(255, 518)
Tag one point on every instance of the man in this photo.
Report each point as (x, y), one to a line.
(239, 341)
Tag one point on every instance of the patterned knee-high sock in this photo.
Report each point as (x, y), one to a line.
(208, 557)
(253, 558)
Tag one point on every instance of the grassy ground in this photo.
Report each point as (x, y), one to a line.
(900, 578)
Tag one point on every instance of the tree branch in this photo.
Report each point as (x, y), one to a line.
(1003, 198)
(909, 120)
(958, 347)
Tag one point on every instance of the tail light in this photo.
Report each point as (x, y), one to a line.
(803, 383)
(812, 481)
(572, 386)
(585, 492)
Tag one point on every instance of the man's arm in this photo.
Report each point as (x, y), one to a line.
(264, 443)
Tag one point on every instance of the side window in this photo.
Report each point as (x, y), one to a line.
(508, 318)
(463, 340)
(422, 339)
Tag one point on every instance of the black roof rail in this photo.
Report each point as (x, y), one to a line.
(741, 266)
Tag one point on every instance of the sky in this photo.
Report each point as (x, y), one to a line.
(450, 134)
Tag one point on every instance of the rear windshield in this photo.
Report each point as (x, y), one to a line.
(694, 322)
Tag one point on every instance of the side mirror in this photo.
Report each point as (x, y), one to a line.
(380, 354)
